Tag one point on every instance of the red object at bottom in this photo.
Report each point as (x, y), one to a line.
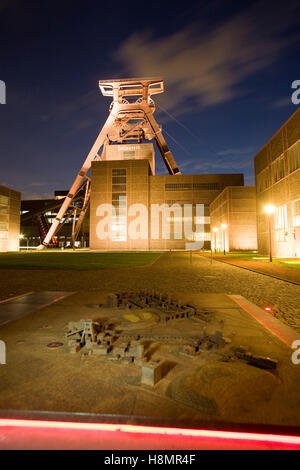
(36, 434)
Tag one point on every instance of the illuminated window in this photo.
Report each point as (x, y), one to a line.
(119, 221)
(280, 217)
(201, 236)
(202, 220)
(296, 213)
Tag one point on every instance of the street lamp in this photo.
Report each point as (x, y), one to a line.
(269, 210)
(224, 227)
(215, 230)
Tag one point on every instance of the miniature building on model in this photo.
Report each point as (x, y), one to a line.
(277, 179)
(10, 202)
(234, 209)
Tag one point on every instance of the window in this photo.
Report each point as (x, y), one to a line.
(118, 187)
(4, 200)
(178, 187)
(191, 186)
(177, 201)
(202, 220)
(119, 171)
(118, 179)
(296, 213)
(294, 157)
(201, 236)
(119, 221)
(280, 219)
(263, 180)
(277, 170)
(129, 154)
(209, 186)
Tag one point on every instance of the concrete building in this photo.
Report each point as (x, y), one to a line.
(233, 219)
(277, 179)
(10, 203)
(137, 194)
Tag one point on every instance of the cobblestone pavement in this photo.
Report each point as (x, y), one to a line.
(264, 267)
(171, 273)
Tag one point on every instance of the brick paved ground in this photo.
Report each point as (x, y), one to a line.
(172, 273)
(263, 266)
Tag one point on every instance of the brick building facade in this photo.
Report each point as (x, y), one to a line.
(10, 204)
(277, 179)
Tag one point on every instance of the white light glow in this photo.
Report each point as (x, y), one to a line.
(269, 209)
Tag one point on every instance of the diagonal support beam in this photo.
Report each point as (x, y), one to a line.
(79, 178)
(121, 110)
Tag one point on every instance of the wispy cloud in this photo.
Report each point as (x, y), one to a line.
(281, 103)
(232, 160)
(210, 67)
(27, 195)
(37, 184)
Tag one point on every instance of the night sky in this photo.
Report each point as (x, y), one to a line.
(228, 69)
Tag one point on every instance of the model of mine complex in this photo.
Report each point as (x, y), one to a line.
(107, 338)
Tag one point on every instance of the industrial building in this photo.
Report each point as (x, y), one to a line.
(124, 205)
(130, 207)
(141, 192)
(38, 214)
(233, 219)
(277, 180)
(10, 202)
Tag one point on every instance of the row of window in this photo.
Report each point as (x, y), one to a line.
(191, 186)
(201, 236)
(4, 200)
(281, 219)
(118, 188)
(296, 213)
(280, 168)
(4, 203)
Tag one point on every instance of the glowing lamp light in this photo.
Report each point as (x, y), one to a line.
(224, 226)
(268, 309)
(215, 229)
(21, 235)
(269, 209)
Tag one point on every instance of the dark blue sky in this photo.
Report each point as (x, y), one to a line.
(228, 69)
